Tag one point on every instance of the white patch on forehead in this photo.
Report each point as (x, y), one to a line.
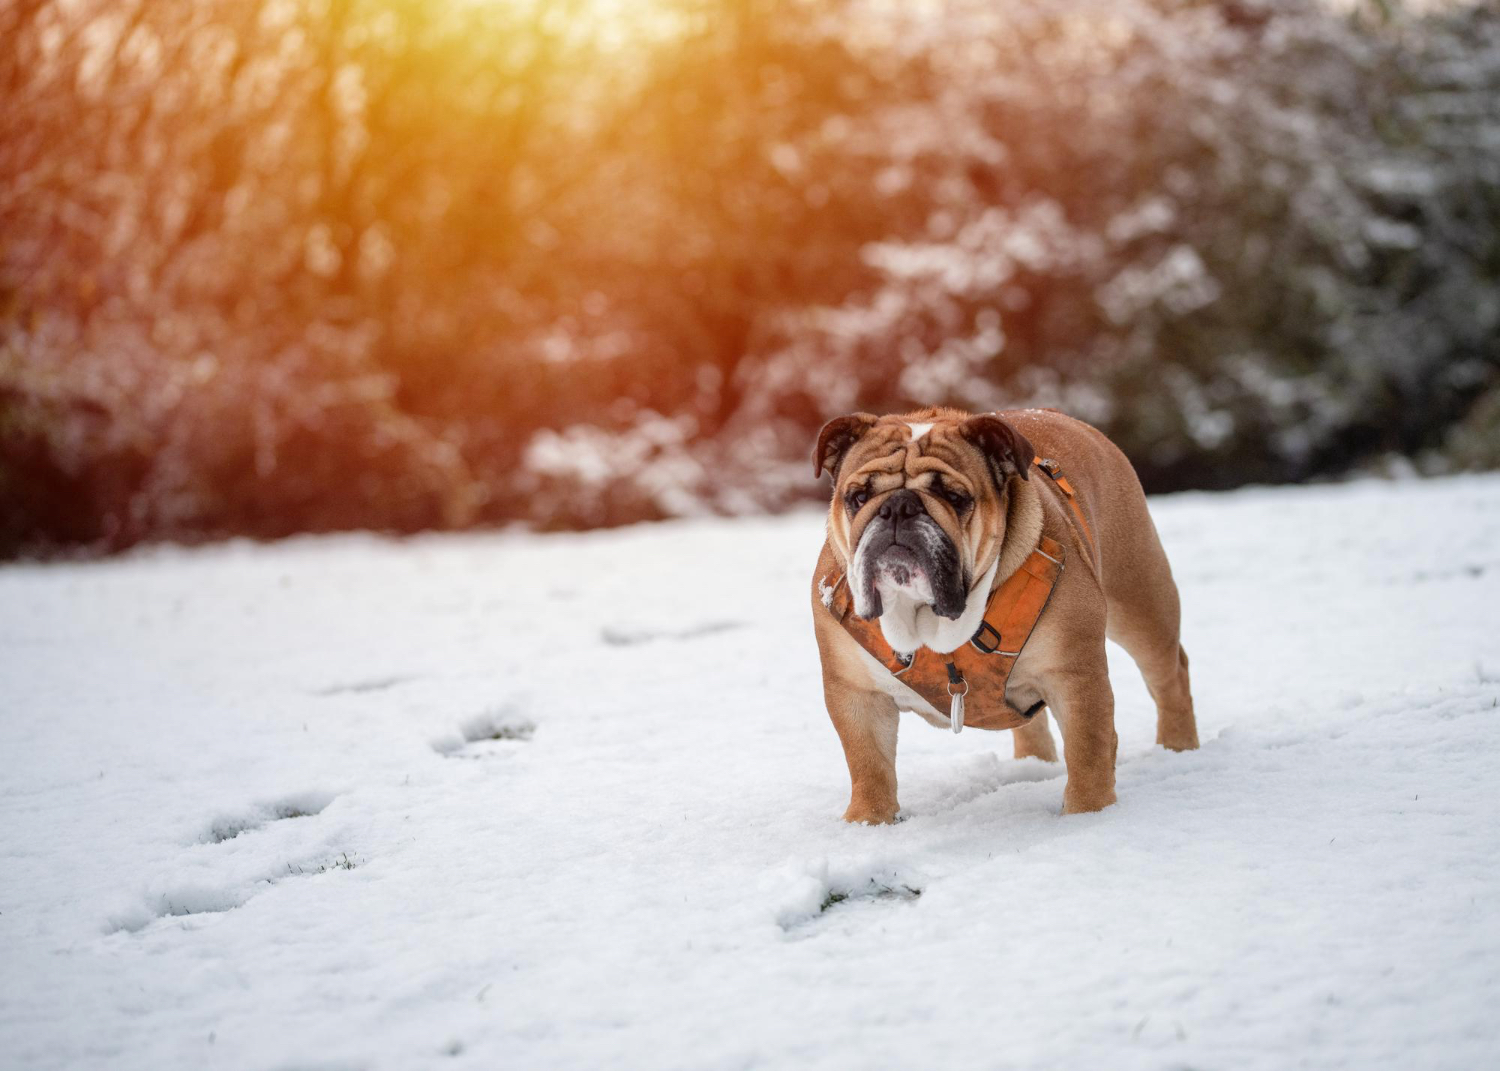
(919, 430)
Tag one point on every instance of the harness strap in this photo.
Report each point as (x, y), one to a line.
(1054, 470)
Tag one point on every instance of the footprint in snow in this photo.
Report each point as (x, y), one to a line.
(191, 899)
(174, 901)
(870, 891)
(495, 732)
(360, 687)
(228, 826)
(618, 636)
(976, 777)
(813, 899)
(182, 899)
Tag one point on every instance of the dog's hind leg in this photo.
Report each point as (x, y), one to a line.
(1034, 739)
(1145, 623)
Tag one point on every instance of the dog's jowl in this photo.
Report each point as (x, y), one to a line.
(975, 565)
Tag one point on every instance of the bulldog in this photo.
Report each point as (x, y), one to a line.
(974, 566)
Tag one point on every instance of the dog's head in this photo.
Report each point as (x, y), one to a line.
(919, 502)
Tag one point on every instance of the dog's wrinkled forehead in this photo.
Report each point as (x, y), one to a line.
(919, 448)
(895, 451)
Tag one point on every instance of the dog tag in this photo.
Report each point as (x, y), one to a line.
(956, 698)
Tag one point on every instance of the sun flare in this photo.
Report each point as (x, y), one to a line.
(608, 25)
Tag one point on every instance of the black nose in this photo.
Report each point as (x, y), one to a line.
(902, 506)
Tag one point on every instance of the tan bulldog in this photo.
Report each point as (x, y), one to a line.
(975, 565)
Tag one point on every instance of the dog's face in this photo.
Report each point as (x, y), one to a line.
(919, 502)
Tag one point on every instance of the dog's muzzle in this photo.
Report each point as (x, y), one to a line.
(903, 550)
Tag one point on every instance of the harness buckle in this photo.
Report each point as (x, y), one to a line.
(1054, 469)
(981, 640)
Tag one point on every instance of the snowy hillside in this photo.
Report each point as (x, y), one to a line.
(572, 802)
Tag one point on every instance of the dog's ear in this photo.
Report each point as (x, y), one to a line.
(1006, 449)
(834, 441)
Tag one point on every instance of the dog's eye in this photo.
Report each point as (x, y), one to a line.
(956, 498)
(857, 498)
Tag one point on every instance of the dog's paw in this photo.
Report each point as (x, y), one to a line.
(1085, 802)
(862, 814)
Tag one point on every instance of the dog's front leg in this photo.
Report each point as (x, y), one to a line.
(866, 724)
(1084, 705)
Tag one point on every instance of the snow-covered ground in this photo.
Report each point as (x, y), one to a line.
(572, 802)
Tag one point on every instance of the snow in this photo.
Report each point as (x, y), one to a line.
(571, 801)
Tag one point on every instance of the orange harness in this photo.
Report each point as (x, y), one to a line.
(978, 670)
(1053, 469)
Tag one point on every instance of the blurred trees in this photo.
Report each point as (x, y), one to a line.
(269, 266)
(1255, 242)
